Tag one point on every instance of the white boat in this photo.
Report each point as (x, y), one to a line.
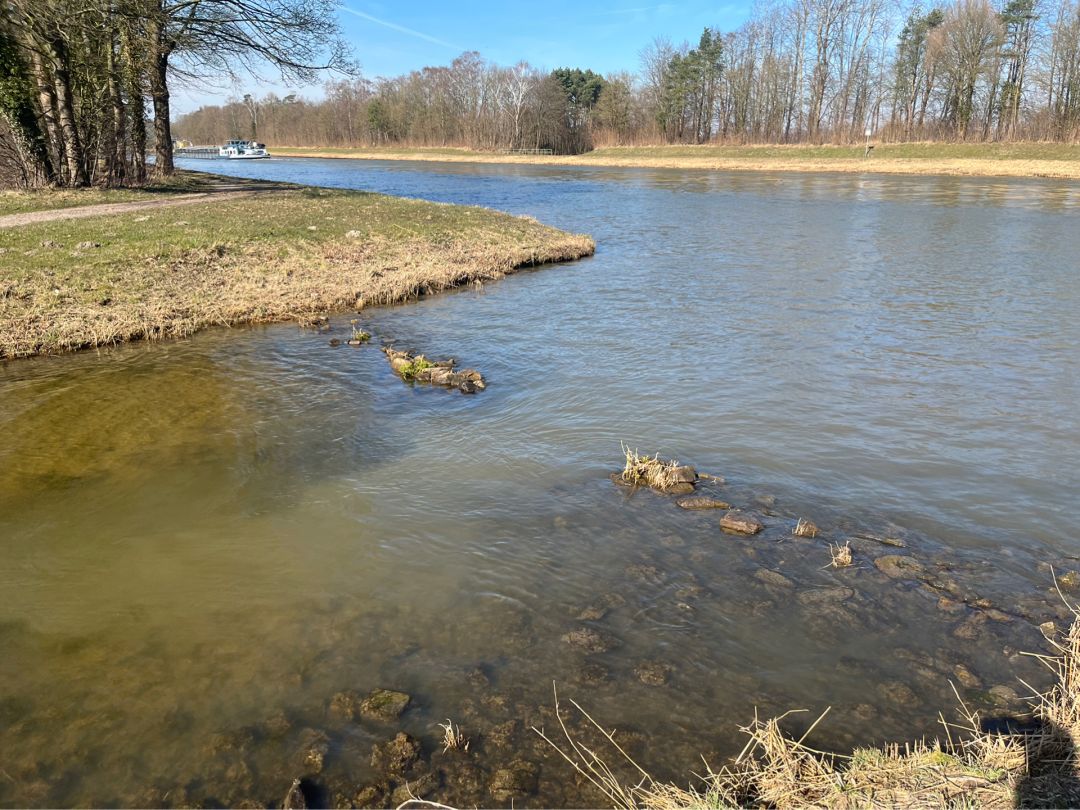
(243, 150)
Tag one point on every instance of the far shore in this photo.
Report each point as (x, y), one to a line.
(92, 268)
(1050, 160)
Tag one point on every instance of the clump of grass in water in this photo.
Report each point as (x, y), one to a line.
(1033, 767)
(453, 739)
(841, 555)
(649, 470)
(415, 366)
(359, 334)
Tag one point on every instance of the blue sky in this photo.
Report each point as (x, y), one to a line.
(392, 38)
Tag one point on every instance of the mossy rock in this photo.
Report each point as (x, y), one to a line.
(384, 704)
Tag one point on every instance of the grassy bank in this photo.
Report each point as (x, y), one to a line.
(1007, 160)
(265, 256)
(1034, 764)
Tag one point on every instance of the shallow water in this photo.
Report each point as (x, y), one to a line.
(202, 535)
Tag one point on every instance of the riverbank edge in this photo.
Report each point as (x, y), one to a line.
(947, 167)
(85, 282)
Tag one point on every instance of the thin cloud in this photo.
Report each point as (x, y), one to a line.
(401, 29)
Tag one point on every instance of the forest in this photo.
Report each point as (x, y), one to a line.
(85, 84)
(798, 71)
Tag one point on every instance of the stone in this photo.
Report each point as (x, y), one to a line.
(998, 615)
(684, 475)
(518, 779)
(773, 578)
(477, 678)
(805, 528)
(384, 704)
(648, 574)
(345, 705)
(702, 502)
(353, 234)
(593, 674)
(971, 628)
(397, 756)
(49, 243)
(335, 342)
(1004, 695)
(819, 597)
(1049, 629)
(680, 489)
(503, 734)
(88, 245)
(740, 523)
(653, 673)
(355, 342)
(1069, 581)
(276, 725)
(415, 789)
(370, 796)
(967, 678)
(294, 798)
(898, 694)
(311, 753)
(897, 566)
(593, 613)
(591, 640)
(947, 605)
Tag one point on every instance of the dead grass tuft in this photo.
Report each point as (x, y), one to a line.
(841, 555)
(649, 470)
(970, 767)
(453, 739)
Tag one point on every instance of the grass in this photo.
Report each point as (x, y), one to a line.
(841, 555)
(270, 256)
(1027, 159)
(650, 470)
(1036, 766)
(412, 369)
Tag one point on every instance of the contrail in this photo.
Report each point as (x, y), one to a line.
(401, 28)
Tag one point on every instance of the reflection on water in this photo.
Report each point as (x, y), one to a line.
(204, 541)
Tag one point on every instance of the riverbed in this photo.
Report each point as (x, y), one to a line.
(206, 540)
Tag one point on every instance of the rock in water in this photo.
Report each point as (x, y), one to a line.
(384, 704)
(805, 528)
(684, 475)
(396, 756)
(702, 502)
(294, 799)
(740, 523)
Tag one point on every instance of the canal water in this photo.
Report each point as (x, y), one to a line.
(206, 541)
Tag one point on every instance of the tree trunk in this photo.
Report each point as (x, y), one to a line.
(159, 95)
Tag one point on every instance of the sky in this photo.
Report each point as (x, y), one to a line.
(393, 38)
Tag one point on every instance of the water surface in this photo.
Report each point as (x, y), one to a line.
(205, 538)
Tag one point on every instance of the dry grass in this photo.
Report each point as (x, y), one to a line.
(276, 256)
(841, 555)
(1008, 160)
(969, 767)
(649, 470)
(453, 739)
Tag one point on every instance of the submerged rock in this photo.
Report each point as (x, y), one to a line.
(740, 523)
(384, 704)
(702, 502)
(805, 528)
(312, 751)
(682, 488)
(591, 640)
(335, 342)
(653, 673)
(684, 474)
(518, 779)
(773, 578)
(897, 566)
(396, 756)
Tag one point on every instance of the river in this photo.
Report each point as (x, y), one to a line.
(206, 540)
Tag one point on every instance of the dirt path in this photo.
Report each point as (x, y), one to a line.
(223, 191)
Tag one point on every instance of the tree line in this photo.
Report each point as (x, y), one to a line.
(798, 71)
(85, 84)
